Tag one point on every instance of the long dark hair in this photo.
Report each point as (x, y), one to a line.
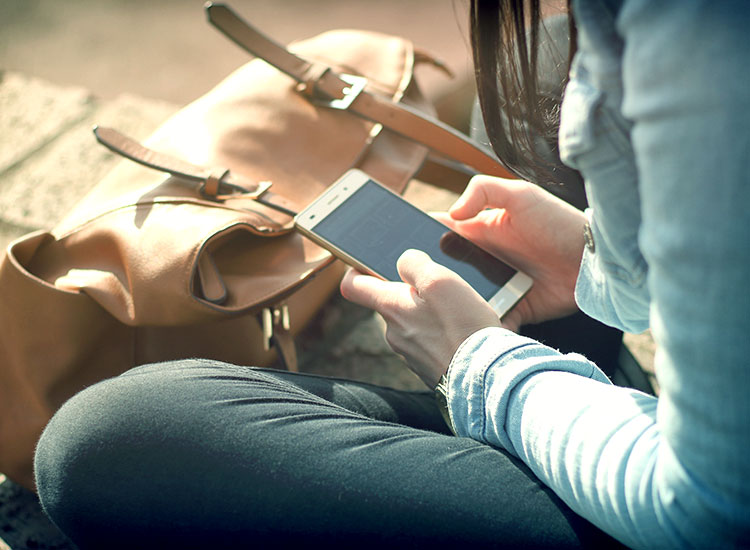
(521, 122)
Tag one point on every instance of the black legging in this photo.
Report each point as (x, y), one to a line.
(200, 453)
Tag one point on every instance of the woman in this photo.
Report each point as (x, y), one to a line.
(655, 118)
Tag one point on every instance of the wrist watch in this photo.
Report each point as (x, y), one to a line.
(588, 237)
(441, 396)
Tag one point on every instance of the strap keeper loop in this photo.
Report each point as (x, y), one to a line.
(212, 183)
(309, 84)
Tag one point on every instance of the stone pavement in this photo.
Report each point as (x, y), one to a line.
(49, 160)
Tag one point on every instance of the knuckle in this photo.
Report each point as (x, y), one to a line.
(430, 285)
(436, 285)
(476, 185)
(480, 179)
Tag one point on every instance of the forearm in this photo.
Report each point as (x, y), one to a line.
(597, 446)
(485, 369)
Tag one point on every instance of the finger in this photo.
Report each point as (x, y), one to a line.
(371, 292)
(482, 192)
(482, 229)
(474, 229)
(417, 270)
(511, 320)
(460, 226)
(412, 266)
(443, 217)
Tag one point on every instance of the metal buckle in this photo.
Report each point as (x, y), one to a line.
(239, 192)
(271, 317)
(356, 85)
(262, 187)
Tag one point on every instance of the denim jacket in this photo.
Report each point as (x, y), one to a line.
(656, 116)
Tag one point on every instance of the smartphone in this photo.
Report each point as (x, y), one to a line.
(369, 227)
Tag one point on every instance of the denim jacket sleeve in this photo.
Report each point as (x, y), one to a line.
(672, 472)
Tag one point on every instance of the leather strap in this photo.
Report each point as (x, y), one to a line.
(339, 91)
(286, 349)
(216, 183)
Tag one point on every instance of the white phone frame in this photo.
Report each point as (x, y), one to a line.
(503, 300)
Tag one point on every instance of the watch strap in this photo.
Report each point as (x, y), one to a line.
(441, 396)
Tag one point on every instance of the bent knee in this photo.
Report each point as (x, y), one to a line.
(93, 430)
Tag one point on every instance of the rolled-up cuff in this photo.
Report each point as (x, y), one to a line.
(486, 369)
(602, 295)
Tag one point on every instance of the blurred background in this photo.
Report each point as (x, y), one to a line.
(165, 49)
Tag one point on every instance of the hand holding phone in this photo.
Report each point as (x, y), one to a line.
(370, 227)
(427, 316)
(534, 229)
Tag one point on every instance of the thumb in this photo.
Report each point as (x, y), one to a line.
(419, 271)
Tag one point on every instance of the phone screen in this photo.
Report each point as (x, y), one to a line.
(375, 227)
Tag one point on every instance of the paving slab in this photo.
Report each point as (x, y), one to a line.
(33, 113)
(23, 525)
(47, 180)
